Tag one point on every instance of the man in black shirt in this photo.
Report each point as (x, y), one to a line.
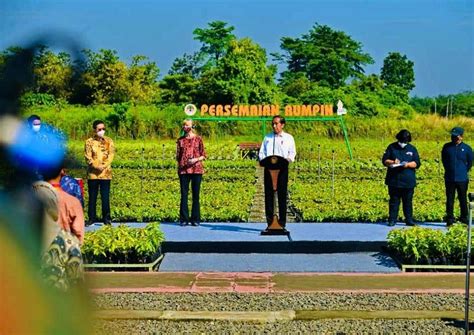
(457, 161)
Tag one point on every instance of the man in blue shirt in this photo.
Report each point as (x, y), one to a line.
(401, 159)
(457, 161)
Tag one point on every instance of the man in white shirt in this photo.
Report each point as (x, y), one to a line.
(277, 143)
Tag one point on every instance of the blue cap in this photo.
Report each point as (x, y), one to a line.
(457, 131)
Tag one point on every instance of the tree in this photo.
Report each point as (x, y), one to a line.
(12, 68)
(187, 65)
(319, 95)
(327, 57)
(7, 55)
(294, 84)
(386, 95)
(103, 78)
(371, 84)
(241, 76)
(53, 73)
(215, 40)
(398, 70)
(178, 88)
(142, 77)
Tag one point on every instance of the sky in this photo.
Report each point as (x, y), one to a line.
(438, 36)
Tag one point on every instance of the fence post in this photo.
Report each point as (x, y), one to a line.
(319, 162)
(333, 170)
(141, 177)
(163, 156)
(439, 161)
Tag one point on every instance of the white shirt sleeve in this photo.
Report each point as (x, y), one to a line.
(263, 149)
(291, 148)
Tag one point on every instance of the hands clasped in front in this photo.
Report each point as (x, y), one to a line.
(193, 161)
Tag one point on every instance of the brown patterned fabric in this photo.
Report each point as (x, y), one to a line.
(62, 264)
(99, 154)
(187, 148)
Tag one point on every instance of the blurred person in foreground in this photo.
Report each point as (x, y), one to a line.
(401, 159)
(28, 305)
(99, 153)
(62, 260)
(190, 154)
(457, 161)
(32, 300)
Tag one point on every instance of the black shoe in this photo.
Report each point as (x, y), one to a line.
(108, 222)
(463, 220)
(195, 224)
(411, 224)
(391, 223)
(89, 223)
(182, 224)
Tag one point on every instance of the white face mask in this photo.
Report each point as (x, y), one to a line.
(36, 128)
(403, 145)
(101, 133)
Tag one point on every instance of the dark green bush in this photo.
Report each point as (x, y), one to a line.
(38, 99)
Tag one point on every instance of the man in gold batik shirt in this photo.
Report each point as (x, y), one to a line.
(99, 153)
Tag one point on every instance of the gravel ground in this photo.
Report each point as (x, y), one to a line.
(335, 326)
(277, 302)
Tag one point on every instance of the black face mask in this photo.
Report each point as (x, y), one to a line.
(454, 139)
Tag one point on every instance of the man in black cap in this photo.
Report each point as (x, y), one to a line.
(457, 161)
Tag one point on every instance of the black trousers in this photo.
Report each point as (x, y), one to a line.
(461, 188)
(184, 180)
(282, 191)
(406, 196)
(94, 185)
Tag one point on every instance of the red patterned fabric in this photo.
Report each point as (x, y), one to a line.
(187, 148)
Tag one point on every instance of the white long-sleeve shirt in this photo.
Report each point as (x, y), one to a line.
(280, 145)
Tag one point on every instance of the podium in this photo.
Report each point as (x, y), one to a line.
(274, 164)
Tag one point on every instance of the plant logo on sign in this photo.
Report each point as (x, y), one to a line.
(340, 108)
(190, 109)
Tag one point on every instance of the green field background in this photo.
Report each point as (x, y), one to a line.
(325, 185)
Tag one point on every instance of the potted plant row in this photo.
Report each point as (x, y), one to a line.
(419, 248)
(123, 247)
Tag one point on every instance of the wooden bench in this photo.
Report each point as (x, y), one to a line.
(249, 149)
